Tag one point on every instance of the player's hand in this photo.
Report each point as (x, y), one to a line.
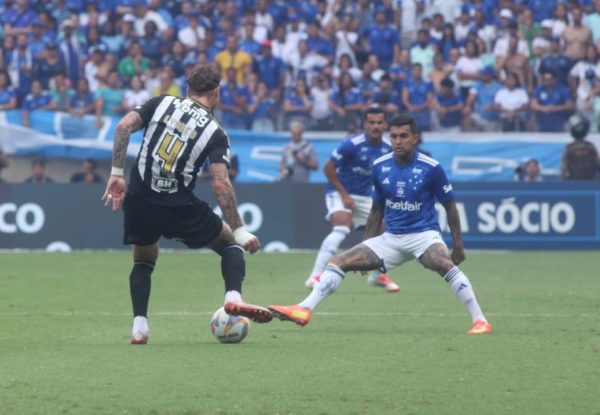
(458, 255)
(252, 245)
(115, 192)
(247, 240)
(348, 202)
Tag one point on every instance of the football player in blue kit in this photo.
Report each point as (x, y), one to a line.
(348, 195)
(406, 185)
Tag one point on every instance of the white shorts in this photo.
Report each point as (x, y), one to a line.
(334, 203)
(395, 250)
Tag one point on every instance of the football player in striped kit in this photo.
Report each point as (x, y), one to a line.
(179, 135)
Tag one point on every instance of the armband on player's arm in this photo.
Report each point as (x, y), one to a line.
(242, 236)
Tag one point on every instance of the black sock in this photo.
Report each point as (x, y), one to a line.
(233, 267)
(140, 282)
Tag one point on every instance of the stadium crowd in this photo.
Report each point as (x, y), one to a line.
(492, 65)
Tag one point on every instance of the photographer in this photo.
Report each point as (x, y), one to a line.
(298, 158)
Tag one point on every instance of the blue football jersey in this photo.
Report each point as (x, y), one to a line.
(354, 162)
(409, 192)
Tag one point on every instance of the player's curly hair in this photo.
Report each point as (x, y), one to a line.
(203, 78)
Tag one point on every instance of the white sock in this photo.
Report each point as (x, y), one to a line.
(328, 248)
(331, 278)
(233, 297)
(461, 287)
(374, 275)
(140, 324)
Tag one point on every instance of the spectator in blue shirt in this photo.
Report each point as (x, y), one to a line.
(382, 39)
(8, 96)
(38, 99)
(153, 46)
(263, 109)
(557, 62)
(21, 21)
(480, 114)
(270, 69)
(297, 104)
(234, 102)
(542, 9)
(20, 65)
(552, 104)
(317, 44)
(348, 103)
(37, 44)
(72, 51)
(46, 68)
(177, 58)
(448, 107)
(83, 101)
(387, 98)
(417, 97)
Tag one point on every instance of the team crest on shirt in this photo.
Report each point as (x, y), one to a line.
(544, 96)
(400, 189)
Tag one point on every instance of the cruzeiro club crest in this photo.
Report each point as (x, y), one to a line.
(400, 189)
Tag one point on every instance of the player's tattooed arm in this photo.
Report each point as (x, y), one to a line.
(358, 258)
(225, 194)
(458, 253)
(373, 226)
(128, 124)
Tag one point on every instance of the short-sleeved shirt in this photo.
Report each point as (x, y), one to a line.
(511, 100)
(560, 65)
(6, 95)
(353, 160)
(552, 121)
(238, 60)
(409, 192)
(351, 97)
(485, 95)
(382, 41)
(453, 118)
(33, 102)
(112, 99)
(80, 101)
(269, 71)
(179, 135)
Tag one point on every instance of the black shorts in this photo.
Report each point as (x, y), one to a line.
(193, 223)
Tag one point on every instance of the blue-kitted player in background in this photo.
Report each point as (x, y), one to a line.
(348, 196)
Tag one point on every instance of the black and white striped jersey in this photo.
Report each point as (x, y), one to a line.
(179, 135)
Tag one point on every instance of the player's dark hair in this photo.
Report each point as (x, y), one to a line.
(373, 110)
(203, 78)
(403, 119)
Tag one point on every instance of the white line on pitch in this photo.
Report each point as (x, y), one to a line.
(325, 313)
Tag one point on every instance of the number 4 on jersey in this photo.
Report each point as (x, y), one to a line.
(168, 151)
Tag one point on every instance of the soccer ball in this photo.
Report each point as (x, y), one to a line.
(229, 329)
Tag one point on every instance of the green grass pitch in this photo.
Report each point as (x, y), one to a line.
(65, 326)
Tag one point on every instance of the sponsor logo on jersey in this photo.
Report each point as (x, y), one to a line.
(404, 205)
(385, 181)
(447, 188)
(361, 170)
(164, 184)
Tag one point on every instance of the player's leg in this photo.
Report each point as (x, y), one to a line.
(437, 258)
(140, 283)
(233, 269)
(341, 222)
(141, 221)
(380, 279)
(358, 258)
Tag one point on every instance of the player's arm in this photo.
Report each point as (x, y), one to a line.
(115, 188)
(458, 252)
(227, 200)
(373, 227)
(332, 176)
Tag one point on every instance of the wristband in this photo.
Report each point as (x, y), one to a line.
(116, 171)
(242, 236)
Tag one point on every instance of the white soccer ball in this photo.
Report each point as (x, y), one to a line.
(229, 329)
